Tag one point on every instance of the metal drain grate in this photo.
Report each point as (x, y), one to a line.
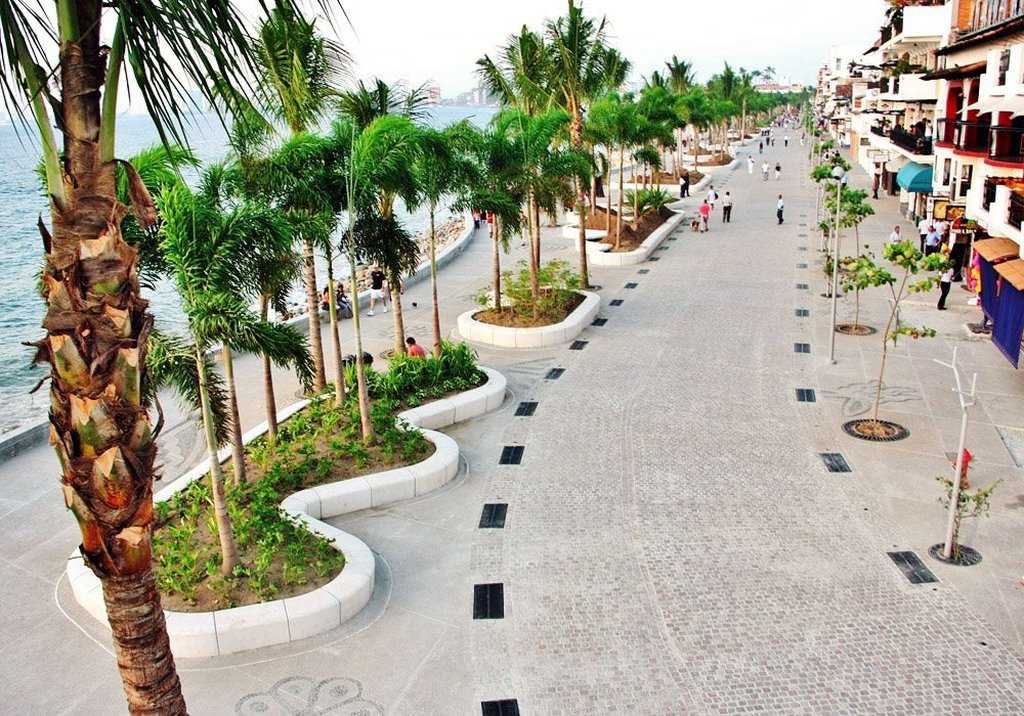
(511, 455)
(615, 302)
(835, 462)
(801, 347)
(802, 313)
(492, 517)
(526, 409)
(632, 284)
(578, 345)
(599, 321)
(489, 601)
(654, 258)
(502, 707)
(805, 395)
(912, 567)
(801, 265)
(801, 286)
(662, 248)
(643, 271)
(801, 248)
(554, 374)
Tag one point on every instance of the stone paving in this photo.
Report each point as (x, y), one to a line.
(673, 542)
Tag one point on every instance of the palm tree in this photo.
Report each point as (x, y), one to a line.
(442, 169)
(208, 248)
(299, 71)
(615, 118)
(366, 103)
(579, 55)
(700, 113)
(56, 63)
(680, 75)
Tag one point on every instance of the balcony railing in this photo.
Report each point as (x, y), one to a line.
(1015, 211)
(1007, 145)
(910, 141)
(988, 13)
(945, 130)
(972, 136)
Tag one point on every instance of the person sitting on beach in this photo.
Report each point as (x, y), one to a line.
(413, 348)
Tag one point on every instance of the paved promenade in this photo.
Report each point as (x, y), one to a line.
(673, 544)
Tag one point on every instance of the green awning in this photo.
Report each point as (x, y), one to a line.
(916, 178)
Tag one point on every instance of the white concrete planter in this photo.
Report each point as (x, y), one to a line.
(226, 631)
(507, 337)
(638, 255)
(573, 232)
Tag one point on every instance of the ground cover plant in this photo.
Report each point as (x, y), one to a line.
(321, 444)
(558, 297)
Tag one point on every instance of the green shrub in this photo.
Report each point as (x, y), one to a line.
(647, 201)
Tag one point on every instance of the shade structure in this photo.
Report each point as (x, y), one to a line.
(997, 249)
(916, 178)
(1008, 324)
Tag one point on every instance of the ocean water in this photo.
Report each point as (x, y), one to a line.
(21, 251)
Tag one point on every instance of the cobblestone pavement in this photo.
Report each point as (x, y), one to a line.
(673, 542)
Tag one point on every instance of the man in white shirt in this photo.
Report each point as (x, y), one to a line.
(750, 165)
(779, 208)
(922, 228)
(895, 237)
(712, 196)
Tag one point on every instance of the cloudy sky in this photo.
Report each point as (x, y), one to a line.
(440, 39)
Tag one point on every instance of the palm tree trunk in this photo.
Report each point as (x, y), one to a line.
(313, 314)
(576, 138)
(332, 308)
(435, 308)
(395, 289)
(365, 424)
(496, 261)
(618, 215)
(536, 223)
(269, 401)
(228, 549)
(534, 230)
(139, 635)
(237, 456)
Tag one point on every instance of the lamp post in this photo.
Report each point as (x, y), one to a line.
(838, 173)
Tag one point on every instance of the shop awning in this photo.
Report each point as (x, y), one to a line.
(957, 72)
(1014, 104)
(916, 178)
(1008, 323)
(1013, 272)
(997, 249)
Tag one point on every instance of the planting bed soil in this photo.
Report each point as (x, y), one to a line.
(631, 238)
(513, 319)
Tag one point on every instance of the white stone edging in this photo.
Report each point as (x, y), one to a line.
(606, 257)
(508, 337)
(572, 231)
(227, 631)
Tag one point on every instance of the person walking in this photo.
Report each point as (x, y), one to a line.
(932, 241)
(712, 196)
(764, 170)
(705, 214)
(923, 227)
(760, 147)
(780, 207)
(727, 208)
(895, 237)
(785, 141)
(778, 170)
(945, 281)
(377, 292)
(686, 184)
(750, 165)
(682, 186)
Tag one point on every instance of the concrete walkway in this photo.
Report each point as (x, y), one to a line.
(673, 542)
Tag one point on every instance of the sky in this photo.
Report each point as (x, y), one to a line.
(440, 40)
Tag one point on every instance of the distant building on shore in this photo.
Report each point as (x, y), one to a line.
(781, 86)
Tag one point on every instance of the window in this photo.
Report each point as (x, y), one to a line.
(946, 167)
(1004, 66)
(966, 174)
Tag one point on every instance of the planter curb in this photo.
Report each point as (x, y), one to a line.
(508, 337)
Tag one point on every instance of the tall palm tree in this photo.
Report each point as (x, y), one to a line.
(700, 114)
(615, 118)
(680, 75)
(300, 70)
(366, 103)
(579, 53)
(442, 169)
(57, 64)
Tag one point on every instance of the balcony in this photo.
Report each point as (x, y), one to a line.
(972, 137)
(911, 142)
(989, 13)
(945, 131)
(919, 24)
(1007, 145)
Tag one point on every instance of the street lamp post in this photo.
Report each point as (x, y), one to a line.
(838, 173)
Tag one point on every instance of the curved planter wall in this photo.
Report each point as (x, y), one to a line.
(507, 337)
(597, 257)
(226, 631)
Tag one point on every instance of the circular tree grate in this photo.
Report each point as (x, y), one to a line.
(858, 329)
(879, 431)
(964, 556)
